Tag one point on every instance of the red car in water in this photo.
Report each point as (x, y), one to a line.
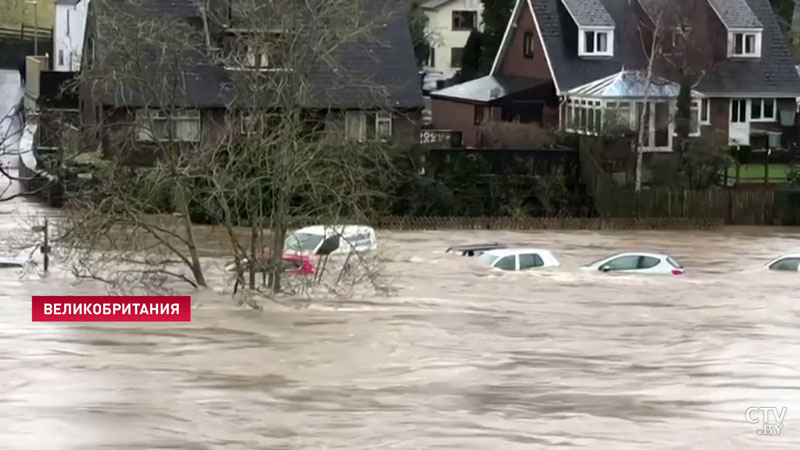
(299, 264)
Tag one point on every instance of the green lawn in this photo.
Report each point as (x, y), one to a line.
(754, 173)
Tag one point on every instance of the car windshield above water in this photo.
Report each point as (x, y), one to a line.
(488, 258)
(302, 242)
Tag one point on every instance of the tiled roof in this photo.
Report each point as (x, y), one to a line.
(735, 13)
(773, 73)
(380, 72)
(588, 13)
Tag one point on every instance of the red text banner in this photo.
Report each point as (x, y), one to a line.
(111, 309)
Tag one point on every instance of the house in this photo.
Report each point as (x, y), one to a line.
(68, 31)
(576, 64)
(450, 23)
(370, 89)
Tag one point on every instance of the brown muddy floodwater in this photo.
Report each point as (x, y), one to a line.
(457, 359)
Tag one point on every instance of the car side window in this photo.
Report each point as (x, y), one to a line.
(507, 263)
(786, 264)
(647, 262)
(622, 263)
(529, 261)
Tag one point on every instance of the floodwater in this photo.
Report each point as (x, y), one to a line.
(456, 358)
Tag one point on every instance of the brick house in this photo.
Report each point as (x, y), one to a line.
(204, 102)
(576, 64)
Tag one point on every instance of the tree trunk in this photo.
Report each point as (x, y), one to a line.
(194, 257)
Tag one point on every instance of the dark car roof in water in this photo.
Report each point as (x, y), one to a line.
(479, 247)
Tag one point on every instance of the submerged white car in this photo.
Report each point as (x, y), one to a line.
(648, 263)
(786, 263)
(331, 239)
(519, 259)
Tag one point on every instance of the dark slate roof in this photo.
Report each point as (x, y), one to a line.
(488, 88)
(67, 2)
(773, 73)
(560, 38)
(375, 74)
(587, 13)
(735, 13)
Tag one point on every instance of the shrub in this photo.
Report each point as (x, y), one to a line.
(513, 135)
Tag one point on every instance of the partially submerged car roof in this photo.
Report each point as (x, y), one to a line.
(515, 250)
(480, 247)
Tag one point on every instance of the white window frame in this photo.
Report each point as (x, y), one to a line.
(597, 31)
(593, 108)
(361, 118)
(745, 33)
(705, 107)
(751, 102)
(144, 117)
(383, 118)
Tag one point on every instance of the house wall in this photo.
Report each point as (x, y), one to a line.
(457, 116)
(68, 31)
(514, 62)
(118, 133)
(442, 36)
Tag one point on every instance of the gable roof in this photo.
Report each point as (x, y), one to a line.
(487, 89)
(735, 13)
(588, 13)
(774, 73)
(435, 4)
(379, 72)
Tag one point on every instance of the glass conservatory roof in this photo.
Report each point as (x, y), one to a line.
(627, 84)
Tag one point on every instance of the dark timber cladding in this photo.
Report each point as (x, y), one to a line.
(735, 14)
(588, 13)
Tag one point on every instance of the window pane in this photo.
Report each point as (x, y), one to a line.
(507, 263)
(623, 263)
(738, 44)
(704, 107)
(646, 262)
(788, 264)
(750, 44)
(674, 263)
(590, 123)
(602, 42)
(529, 261)
(187, 130)
(583, 119)
(694, 123)
(455, 56)
(755, 108)
(769, 108)
(589, 41)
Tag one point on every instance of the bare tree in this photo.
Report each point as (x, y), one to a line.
(690, 45)
(288, 159)
(277, 149)
(136, 76)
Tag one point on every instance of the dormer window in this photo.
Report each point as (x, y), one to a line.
(744, 27)
(595, 27)
(745, 44)
(596, 43)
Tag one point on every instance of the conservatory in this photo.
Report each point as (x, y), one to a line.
(622, 100)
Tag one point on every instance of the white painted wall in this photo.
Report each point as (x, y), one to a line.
(442, 36)
(68, 31)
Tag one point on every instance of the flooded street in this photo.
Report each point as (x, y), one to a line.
(457, 358)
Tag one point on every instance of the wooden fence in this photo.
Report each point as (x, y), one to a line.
(543, 223)
(733, 206)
